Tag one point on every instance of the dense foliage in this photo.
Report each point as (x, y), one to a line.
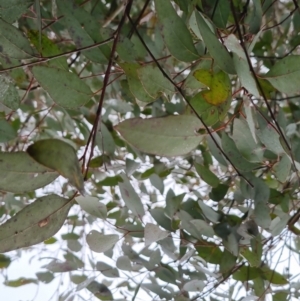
(150, 149)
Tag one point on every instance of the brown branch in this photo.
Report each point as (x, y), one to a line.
(46, 59)
(92, 137)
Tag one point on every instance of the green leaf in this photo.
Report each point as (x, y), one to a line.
(203, 227)
(219, 192)
(168, 136)
(45, 277)
(175, 33)
(92, 206)
(11, 10)
(254, 18)
(281, 296)
(60, 156)
(206, 175)
(235, 156)
(215, 48)
(65, 88)
(153, 233)
(219, 86)
(245, 143)
(4, 261)
(48, 48)
(273, 276)
(135, 85)
(131, 198)
(209, 251)
(9, 95)
(34, 223)
(107, 270)
(7, 132)
(20, 282)
(285, 75)
(209, 213)
(13, 43)
(124, 263)
(19, 173)
(161, 219)
(246, 273)
(282, 168)
(99, 242)
(241, 65)
(209, 113)
(83, 29)
(253, 258)
(269, 136)
(154, 82)
(166, 275)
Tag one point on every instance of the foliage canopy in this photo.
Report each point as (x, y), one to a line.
(153, 146)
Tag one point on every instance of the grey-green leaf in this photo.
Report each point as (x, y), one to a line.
(34, 223)
(153, 233)
(13, 43)
(65, 88)
(215, 48)
(60, 156)
(235, 156)
(7, 132)
(92, 206)
(99, 242)
(131, 198)
(241, 64)
(20, 173)
(285, 75)
(83, 29)
(175, 33)
(168, 136)
(11, 10)
(9, 95)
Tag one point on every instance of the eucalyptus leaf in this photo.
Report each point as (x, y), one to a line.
(167, 136)
(34, 223)
(20, 173)
(60, 156)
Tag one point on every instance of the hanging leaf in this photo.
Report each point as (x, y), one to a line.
(92, 206)
(9, 95)
(131, 198)
(99, 242)
(285, 75)
(7, 132)
(65, 88)
(241, 65)
(215, 48)
(20, 282)
(153, 233)
(175, 33)
(11, 10)
(245, 143)
(60, 156)
(206, 175)
(20, 173)
(48, 49)
(235, 156)
(168, 136)
(154, 82)
(13, 43)
(135, 85)
(34, 223)
(83, 29)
